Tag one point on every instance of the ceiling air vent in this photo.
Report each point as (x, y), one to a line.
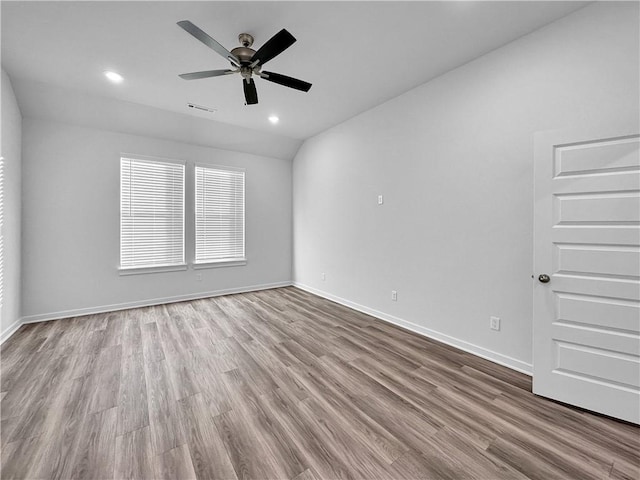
(201, 108)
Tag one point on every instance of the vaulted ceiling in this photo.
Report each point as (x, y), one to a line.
(356, 54)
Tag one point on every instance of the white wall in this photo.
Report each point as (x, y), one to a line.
(453, 159)
(11, 144)
(71, 222)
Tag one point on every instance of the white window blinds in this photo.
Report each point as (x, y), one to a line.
(219, 206)
(151, 213)
(1, 233)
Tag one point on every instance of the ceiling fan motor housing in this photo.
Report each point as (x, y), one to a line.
(243, 54)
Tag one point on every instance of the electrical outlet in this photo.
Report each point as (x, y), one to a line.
(494, 323)
(394, 295)
(380, 199)
(323, 276)
(198, 277)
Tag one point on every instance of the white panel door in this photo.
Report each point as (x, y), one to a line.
(586, 335)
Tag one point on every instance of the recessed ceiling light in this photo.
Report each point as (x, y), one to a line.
(113, 76)
(273, 119)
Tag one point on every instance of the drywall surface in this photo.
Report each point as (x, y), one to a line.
(453, 160)
(45, 101)
(71, 222)
(11, 145)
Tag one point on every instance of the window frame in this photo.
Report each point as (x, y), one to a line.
(144, 269)
(226, 262)
(2, 188)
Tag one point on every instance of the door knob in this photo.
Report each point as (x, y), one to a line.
(544, 278)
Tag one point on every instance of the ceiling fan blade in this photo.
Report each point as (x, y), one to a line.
(205, 74)
(208, 41)
(274, 47)
(286, 81)
(250, 92)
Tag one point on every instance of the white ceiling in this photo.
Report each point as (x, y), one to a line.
(356, 54)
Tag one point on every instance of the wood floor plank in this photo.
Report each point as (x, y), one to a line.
(458, 413)
(165, 423)
(194, 317)
(360, 457)
(147, 314)
(106, 381)
(36, 409)
(256, 446)
(134, 459)
(376, 348)
(82, 365)
(17, 457)
(524, 455)
(151, 343)
(133, 412)
(93, 342)
(455, 379)
(297, 353)
(95, 452)
(247, 449)
(215, 392)
(114, 330)
(577, 422)
(394, 379)
(21, 395)
(458, 446)
(214, 318)
(304, 437)
(308, 474)
(410, 466)
(398, 338)
(98, 321)
(256, 374)
(177, 350)
(54, 457)
(208, 453)
(340, 404)
(377, 397)
(281, 384)
(233, 318)
(6, 429)
(283, 376)
(175, 464)
(26, 339)
(622, 470)
(132, 333)
(254, 324)
(216, 351)
(55, 334)
(579, 446)
(430, 466)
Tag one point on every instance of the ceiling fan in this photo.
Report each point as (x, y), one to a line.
(246, 61)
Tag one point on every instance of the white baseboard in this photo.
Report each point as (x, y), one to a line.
(477, 350)
(147, 303)
(13, 328)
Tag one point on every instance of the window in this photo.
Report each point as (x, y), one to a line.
(1, 232)
(219, 212)
(151, 214)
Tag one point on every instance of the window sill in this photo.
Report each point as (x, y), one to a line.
(221, 263)
(159, 269)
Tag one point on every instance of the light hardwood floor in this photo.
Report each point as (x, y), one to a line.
(280, 384)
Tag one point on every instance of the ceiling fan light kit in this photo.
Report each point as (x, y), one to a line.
(247, 61)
